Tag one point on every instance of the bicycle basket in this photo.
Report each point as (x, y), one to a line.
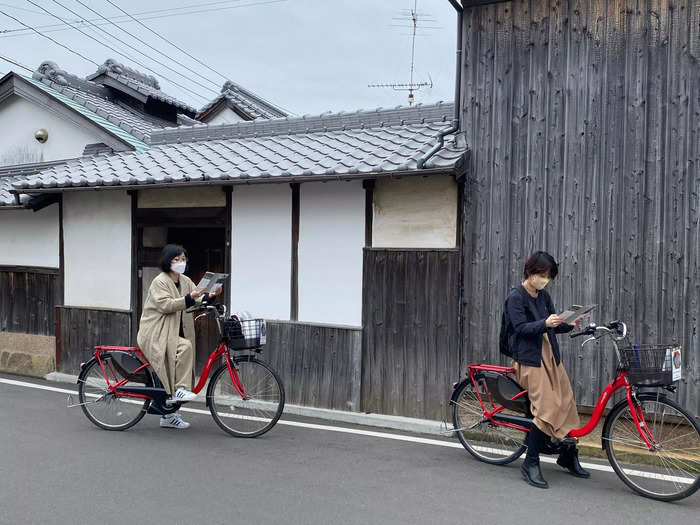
(242, 334)
(648, 365)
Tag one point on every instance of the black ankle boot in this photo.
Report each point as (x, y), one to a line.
(569, 460)
(531, 466)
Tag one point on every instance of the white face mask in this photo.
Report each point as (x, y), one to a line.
(179, 267)
(538, 283)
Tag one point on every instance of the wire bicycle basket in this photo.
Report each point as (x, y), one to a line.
(243, 334)
(648, 364)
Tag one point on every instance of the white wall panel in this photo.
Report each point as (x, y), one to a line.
(331, 239)
(19, 120)
(97, 248)
(415, 212)
(29, 238)
(261, 250)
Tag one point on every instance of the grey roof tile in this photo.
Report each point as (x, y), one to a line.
(237, 96)
(364, 146)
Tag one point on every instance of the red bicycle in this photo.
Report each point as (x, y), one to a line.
(245, 396)
(652, 443)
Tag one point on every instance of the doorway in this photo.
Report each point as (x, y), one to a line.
(204, 234)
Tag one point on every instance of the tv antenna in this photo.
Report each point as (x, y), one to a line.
(414, 18)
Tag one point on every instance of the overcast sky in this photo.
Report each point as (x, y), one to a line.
(308, 56)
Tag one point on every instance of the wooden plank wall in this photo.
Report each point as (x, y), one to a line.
(27, 300)
(410, 320)
(318, 364)
(80, 329)
(583, 117)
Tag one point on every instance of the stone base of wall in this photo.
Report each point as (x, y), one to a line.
(27, 354)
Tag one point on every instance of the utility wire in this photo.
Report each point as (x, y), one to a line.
(7, 59)
(48, 37)
(166, 40)
(53, 28)
(134, 48)
(116, 51)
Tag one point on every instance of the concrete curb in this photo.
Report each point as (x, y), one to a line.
(405, 424)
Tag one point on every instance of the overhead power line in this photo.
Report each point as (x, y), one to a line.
(166, 40)
(136, 49)
(144, 15)
(49, 38)
(7, 59)
(116, 51)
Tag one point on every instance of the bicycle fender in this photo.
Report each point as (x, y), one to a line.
(84, 367)
(643, 396)
(456, 388)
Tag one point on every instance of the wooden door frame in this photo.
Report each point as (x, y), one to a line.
(169, 218)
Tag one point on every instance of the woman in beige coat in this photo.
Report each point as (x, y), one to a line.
(166, 333)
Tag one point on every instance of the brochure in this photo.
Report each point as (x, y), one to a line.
(575, 312)
(211, 280)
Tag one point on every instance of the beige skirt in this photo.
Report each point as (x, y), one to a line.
(551, 397)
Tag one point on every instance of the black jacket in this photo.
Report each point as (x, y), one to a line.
(525, 326)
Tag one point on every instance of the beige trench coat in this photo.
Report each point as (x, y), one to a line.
(159, 328)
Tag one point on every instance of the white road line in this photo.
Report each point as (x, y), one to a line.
(370, 433)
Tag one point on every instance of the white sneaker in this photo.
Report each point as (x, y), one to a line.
(181, 395)
(174, 421)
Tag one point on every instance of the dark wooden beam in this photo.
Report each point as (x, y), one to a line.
(228, 190)
(134, 267)
(60, 283)
(294, 289)
(368, 185)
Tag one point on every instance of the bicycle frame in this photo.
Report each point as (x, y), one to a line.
(114, 386)
(618, 383)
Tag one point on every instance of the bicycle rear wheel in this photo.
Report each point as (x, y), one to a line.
(100, 405)
(485, 441)
(671, 471)
(261, 406)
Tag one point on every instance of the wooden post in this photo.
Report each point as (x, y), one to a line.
(134, 267)
(368, 185)
(228, 190)
(294, 299)
(58, 338)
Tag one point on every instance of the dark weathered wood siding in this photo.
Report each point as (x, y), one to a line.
(318, 364)
(583, 117)
(410, 351)
(27, 300)
(80, 329)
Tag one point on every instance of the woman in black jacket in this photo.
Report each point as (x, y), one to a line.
(533, 325)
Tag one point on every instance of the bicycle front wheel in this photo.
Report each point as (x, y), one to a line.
(253, 405)
(485, 441)
(671, 470)
(101, 405)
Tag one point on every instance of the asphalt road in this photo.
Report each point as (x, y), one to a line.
(56, 467)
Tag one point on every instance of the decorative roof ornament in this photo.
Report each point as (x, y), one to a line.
(116, 68)
(49, 71)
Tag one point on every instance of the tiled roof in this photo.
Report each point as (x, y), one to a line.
(245, 100)
(349, 145)
(96, 98)
(110, 123)
(147, 85)
(17, 172)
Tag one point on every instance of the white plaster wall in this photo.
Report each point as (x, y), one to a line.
(29, 238)
(97, 249)
(331, 239)
(415, 212)
(261, 250)
(19, 120)
(226, 116)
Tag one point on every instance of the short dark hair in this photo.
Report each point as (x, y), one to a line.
(540, 262)
(168, 254)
